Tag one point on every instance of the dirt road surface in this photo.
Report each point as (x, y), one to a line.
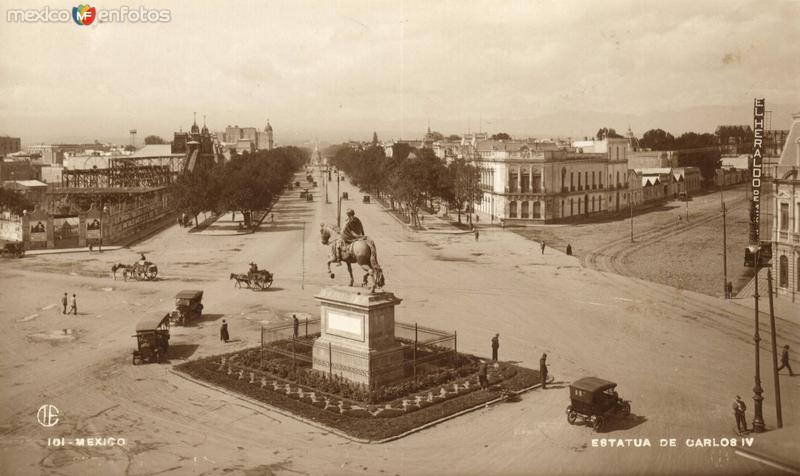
(681, 357)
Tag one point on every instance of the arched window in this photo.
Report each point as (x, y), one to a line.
(563, 178)
(571, 181)
(512, 209)
(579, 181)
(783, 279)
(797, 272)
(525, 210)
(537, 210)
(618, 179)
(592, 203)
(594, 184)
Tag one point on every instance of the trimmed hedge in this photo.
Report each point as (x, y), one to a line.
(363, 423)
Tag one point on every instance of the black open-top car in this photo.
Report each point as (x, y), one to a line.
(595, 400)
(152, 339)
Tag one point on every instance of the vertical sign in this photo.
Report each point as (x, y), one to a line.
(756, 169)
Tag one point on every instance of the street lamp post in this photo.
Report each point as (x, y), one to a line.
(338, 201)
(758, 418)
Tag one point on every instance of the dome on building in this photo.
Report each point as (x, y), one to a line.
(269, 127)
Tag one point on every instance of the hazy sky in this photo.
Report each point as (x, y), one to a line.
(337, 69)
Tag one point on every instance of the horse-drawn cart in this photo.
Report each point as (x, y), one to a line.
(260, 279)
(13, 250)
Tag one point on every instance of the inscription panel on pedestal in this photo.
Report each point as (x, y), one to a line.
(350, 326)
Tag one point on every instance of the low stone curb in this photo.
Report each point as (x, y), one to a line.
(340, 433)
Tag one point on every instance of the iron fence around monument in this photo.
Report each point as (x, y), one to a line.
(429, 355)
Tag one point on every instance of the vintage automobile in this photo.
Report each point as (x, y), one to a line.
(303, 193)
(309, 197)
(13, 250)
(152, 339)
(595, 401)
(365, 199)
(345, 196)
(188, 306)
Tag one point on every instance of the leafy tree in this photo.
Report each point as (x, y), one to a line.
(707, 159)
(462, 187)
(607, 133)
(374, 138)
(454, 137)
(152, 139)
(14, 201)
(657, 139)
(435, 135)
(500, 136)
(130, 148)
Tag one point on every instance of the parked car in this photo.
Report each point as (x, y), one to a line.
(152, 339)
(595, 401)
(365, 199)
(13, 250)
(188, 306)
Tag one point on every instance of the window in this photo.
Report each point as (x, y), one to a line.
(537, 210)
(571, 181)
(525, 209)
(512, 209)
(784, 218)
(571, 207)
(579, 181)
(783, 279)
(594, 184)
(563, 180)
(797, 274)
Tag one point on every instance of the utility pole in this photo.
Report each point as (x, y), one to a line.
(724, 241)
(303, 263)
(758, 419)
(338, 201)
(630, 205)
(324, 177)
(687, 210)
(775, 378)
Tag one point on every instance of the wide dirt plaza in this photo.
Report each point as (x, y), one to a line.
(680, 356)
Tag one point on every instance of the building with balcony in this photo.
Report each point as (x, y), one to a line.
(524, 185)
(786, 249)
(9, 145)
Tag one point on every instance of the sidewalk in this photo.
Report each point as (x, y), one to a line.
(85, 249)
(782, 304)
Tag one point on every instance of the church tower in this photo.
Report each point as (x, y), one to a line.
(270, 141)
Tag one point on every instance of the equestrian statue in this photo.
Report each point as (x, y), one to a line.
(352, 246)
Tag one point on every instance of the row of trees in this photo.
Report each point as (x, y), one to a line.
(412, 178)
(245, 183)
(693, 149)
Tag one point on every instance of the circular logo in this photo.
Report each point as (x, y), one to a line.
(84, 14)
(47, 415)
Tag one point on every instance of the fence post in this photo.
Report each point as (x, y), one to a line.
(455, 348)
(416, 338)
(330, 360)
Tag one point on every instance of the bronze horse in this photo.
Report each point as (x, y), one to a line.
(361, 252)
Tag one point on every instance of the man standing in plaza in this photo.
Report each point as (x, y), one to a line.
(785, 360)
(483, 377)
(73, 305)
(64, 303)
(739, 409)
(495, 346)
(543, 247)
(223, 332)
(543, 369)
(476, 234)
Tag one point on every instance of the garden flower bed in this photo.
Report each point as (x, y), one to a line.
(351, 408)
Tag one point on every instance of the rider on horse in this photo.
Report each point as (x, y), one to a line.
(352, 231)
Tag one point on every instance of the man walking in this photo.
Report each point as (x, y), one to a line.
(64, 303)
(785, 360)
(543, 247)
(483, 377)
(495, 346)
(476, 234)
(739, 409)
(296, 324)
(73, 305)
(543, 369)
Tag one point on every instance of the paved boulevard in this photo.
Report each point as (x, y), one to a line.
(680, 357)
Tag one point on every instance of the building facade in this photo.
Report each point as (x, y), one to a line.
(9, 145)
(786, 224)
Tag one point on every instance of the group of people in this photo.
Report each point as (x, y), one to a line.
(483, 367)
(73, 304)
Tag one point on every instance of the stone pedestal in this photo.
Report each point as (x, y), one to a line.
(357, 336)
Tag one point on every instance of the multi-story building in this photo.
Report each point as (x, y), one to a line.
(9, 145)
(50, 154)
(786, 224)
(522, 184)
(235, 137)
